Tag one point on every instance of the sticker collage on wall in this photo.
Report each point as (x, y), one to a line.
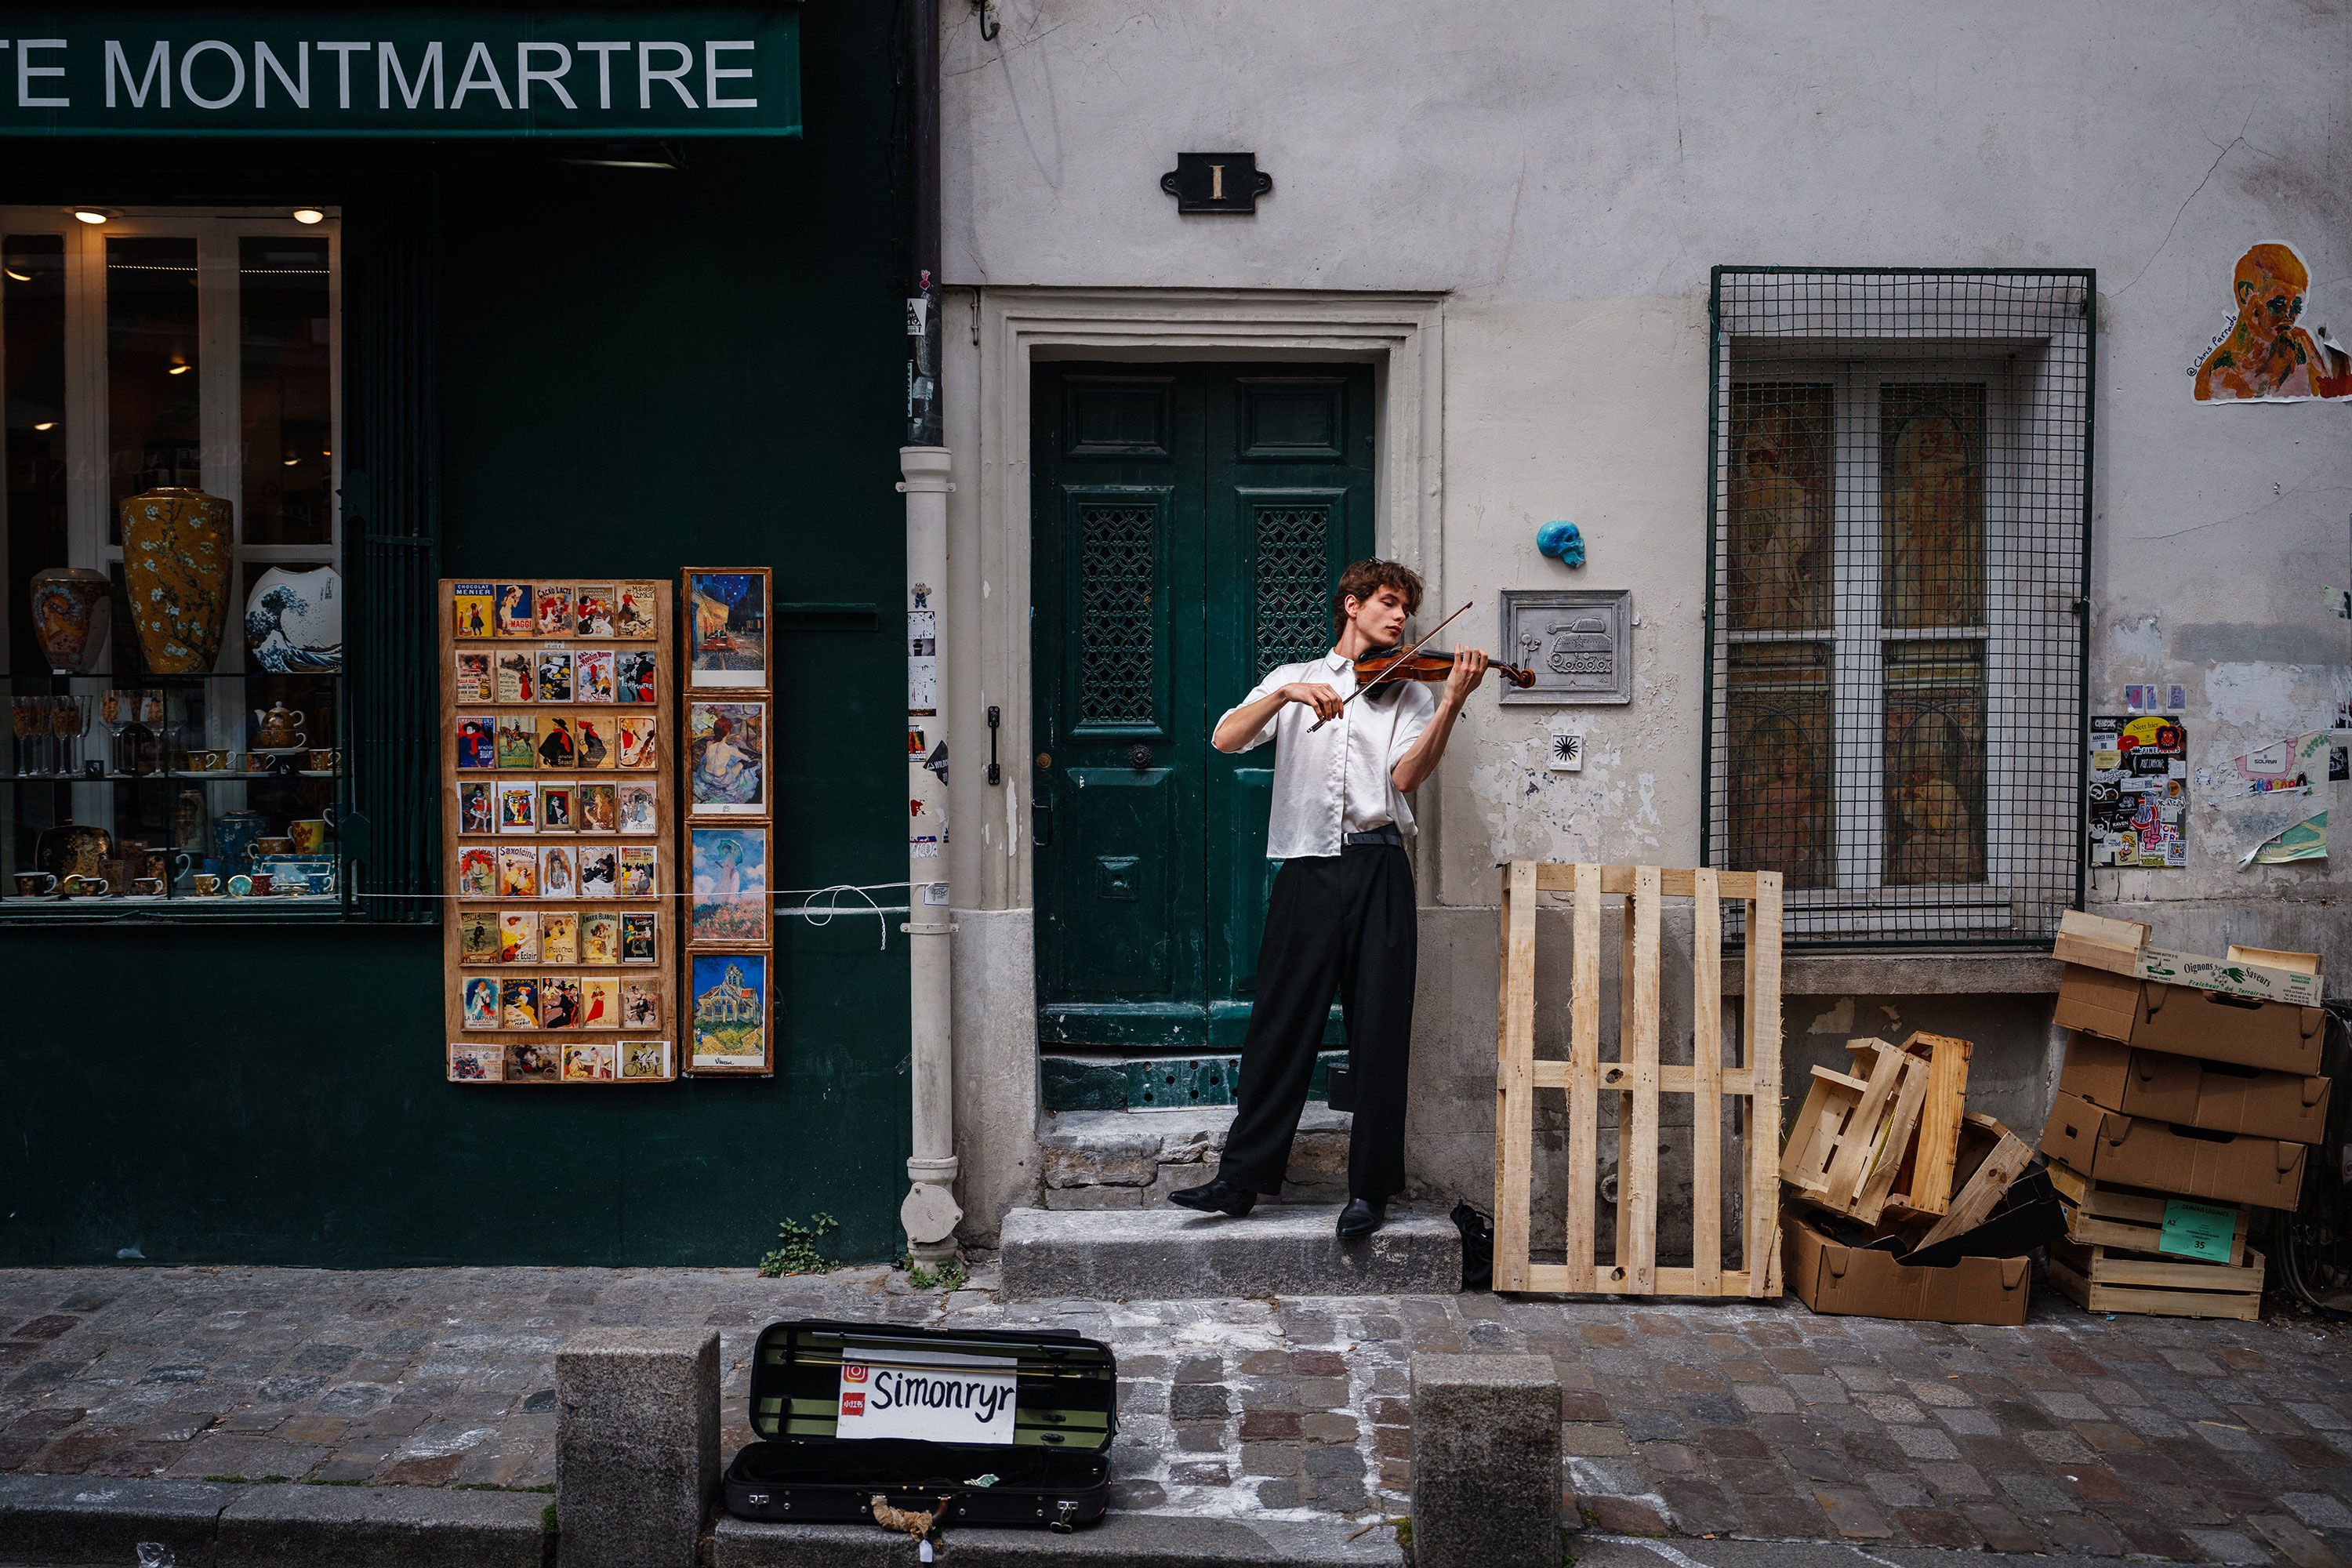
(2138, 800)
(724, 760)
(559, 961)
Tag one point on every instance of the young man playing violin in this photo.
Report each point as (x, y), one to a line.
(1341, 918)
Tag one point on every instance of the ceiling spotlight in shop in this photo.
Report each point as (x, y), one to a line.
(308, 214)
(46, 425)
(92, 215)
(15, 277)
(178, 367)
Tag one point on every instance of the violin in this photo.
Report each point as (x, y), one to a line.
(1389, 664)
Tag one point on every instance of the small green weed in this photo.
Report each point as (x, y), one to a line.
(949, 1276)
(547, 1518)
(799, 1253)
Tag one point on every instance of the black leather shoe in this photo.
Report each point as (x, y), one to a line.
(1220, 1196)
(1361, 1217)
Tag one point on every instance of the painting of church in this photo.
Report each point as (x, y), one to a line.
(729, 1002)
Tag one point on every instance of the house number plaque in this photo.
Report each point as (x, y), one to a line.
(1216, 182)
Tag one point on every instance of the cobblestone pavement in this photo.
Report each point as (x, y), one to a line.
(2202, 1442)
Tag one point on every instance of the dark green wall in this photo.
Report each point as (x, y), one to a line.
(638, 371)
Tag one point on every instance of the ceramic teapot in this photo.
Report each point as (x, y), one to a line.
(279, 728)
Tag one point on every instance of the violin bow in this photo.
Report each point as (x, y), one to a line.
(1396, 663)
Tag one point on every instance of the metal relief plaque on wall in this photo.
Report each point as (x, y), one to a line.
(1579, 642)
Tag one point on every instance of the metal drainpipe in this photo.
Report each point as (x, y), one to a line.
(929, 1213)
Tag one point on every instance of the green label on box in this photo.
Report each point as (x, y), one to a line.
(2203, 1231)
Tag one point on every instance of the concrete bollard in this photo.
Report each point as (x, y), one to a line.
(1485, 1461)
(636, 1445)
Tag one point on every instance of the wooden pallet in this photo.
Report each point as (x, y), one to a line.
(2101, 1215)
(2104, 1281)
(1638, 1079)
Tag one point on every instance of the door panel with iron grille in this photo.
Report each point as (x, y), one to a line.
(1188, 522)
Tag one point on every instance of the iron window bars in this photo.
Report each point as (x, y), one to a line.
(1898, 467)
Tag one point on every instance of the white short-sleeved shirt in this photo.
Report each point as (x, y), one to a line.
(1335, 780)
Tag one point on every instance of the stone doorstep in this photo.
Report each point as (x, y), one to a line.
(1126, 1159)
(1281, 1250)
(81, 1520)
(1126, 1540)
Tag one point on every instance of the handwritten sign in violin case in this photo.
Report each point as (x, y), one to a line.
(1003, 1427)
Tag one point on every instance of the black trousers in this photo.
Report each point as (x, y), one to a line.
(1344, 924)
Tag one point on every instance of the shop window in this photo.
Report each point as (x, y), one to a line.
(1900, 505)
(197, 350)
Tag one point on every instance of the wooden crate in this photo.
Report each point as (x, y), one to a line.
(1924, 1189)
(2101, 1215)
(1856, 1130)
(1638, 1079)
(2104, 1280)
(1990, 1159)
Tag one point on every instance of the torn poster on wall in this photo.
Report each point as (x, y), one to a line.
(2306, 840)
(2294, 766)
(2262, 356)
(2138, 798)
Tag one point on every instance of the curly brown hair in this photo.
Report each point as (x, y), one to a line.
(1362, 579)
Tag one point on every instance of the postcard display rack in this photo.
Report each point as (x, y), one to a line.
(559, 827)
(724, 779)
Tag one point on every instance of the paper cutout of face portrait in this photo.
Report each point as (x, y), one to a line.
(2266, 355)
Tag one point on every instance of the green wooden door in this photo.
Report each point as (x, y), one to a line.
(1190, 521)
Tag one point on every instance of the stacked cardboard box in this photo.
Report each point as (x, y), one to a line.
(2190, 1094)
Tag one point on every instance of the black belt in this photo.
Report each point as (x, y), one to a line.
(1385, 835)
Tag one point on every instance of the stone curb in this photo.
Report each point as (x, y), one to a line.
(1125, 1540)
(80, 1520)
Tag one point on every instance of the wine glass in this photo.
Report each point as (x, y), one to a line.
(68, 718)
(21, 711)
(118, 709)
(151, 716)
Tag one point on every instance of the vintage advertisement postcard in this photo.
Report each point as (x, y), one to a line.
(514, 675)
(559, 872)
(554, 610)
(634, 674)
(600, 1002)
(478, 937)
(600, 871)
(556, 808)
(638, 742)
(519, 1001)
(637, 808)
(514, 609)
(517, 872)
(517, 936)
(472, 683)
(558, 937)
(553, 740)
(476, 746)
(555, 666)
(596, 807)
(592, 609)
(476, 1064)
(517, 806)
(637, 872)
(515, 742)
(593, 734)
(640, 1005)
(600, 937)
(478, 810)
(473, 609)
(637, 937)
(477, 875)
(632, 609)
(480, 1000)
(530, 1062)
(588, 1061)
(559, 1002)
(644, 1059)
(595, 666)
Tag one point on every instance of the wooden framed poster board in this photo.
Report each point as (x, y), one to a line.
(726, 756)
(559, 944)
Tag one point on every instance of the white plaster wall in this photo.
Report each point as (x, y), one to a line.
(1568, 172)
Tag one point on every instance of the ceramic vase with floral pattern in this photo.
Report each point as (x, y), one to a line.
(73, 607)
(175, 572)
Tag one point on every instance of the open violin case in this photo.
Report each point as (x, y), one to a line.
(1048, 1465)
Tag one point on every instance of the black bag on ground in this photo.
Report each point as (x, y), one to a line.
(1028, 1419)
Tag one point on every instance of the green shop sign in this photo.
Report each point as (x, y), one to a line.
(606, 71)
